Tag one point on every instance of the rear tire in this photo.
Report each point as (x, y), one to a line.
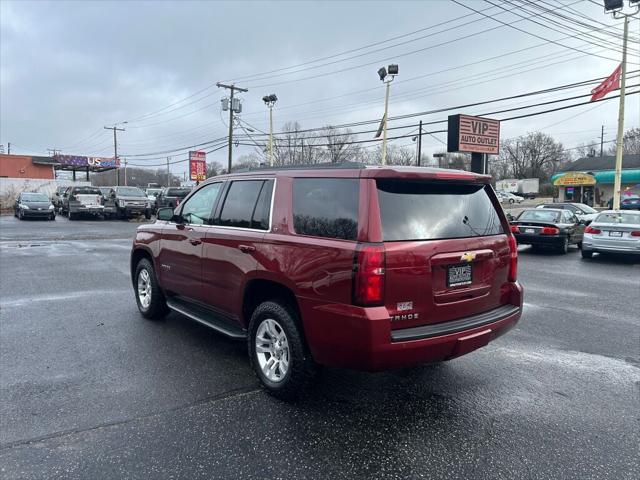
(149, 296)
(564, 247)
(147, 214)
(277, 351)
(586, 253)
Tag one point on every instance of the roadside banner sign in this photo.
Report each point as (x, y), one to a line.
(197, 165)
(473, 134)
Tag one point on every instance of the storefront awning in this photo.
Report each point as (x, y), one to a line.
(602, 177)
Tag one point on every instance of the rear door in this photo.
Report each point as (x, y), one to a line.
(242, 219)
(447, 254)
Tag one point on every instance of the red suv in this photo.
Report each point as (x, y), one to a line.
(349, 265)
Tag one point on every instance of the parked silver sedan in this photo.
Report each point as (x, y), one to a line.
(612, 232)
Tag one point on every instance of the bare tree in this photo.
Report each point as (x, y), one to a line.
(338, 146)
(630, 143)
(244, 162)
(537, 155)
(214, 169)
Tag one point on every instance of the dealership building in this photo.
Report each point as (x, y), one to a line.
(590, 180)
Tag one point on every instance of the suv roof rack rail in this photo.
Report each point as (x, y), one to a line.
(317, 166)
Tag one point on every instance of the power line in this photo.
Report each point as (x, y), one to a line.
(510, 25)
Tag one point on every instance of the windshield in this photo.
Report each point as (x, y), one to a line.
(586, 208)
(419, 210)
(540, 216)
(618, 217)
(130, 192)
(153, 191)
(34, 197)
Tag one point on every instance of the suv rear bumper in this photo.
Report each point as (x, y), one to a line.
(362, 338)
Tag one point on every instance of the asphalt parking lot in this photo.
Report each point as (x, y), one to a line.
(88, 389)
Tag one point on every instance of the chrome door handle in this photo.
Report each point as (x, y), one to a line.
(247, 248)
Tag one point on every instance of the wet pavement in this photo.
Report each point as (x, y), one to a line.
(88, 389)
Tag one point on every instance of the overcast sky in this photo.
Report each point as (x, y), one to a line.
(70, 68)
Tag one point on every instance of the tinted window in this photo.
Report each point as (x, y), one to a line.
(178, 192)
(567, 217)
(325, 207)
(199, 208)
(262, 211)
(419, 210)
(240, 203)
(86, 191)
(540, 216)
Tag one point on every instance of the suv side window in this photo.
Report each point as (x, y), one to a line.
(326, 207)
(566, 217)
(240, 207)
(198, 210)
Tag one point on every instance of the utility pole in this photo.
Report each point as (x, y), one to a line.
(168, 173)
(8, 148)
(615, 8)
(386, 76)
(125, 172)
(419, 143)
(53, 151)
(115, 149)
(601, 141)
(233, 88)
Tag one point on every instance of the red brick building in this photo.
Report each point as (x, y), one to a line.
(24, 166)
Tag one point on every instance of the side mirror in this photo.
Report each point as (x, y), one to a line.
(112, 195)
(165, 214)
(65, 195)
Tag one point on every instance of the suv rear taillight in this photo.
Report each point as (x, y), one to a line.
(635, 233)
(368, 275)
(513, 259)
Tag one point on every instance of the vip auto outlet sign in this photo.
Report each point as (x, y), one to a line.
(473, 135)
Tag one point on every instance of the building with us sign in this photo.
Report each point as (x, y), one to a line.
(590, 179)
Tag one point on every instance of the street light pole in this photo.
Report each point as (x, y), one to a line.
(384, 128)
(270, 101)
(386, 76)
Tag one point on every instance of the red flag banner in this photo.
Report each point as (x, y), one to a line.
(611, 83)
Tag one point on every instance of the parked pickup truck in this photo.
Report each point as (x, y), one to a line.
(171, 197)
(127, 202)
(82, 200)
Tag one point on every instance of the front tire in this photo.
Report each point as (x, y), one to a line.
(149, 296)
(71, 215)
(20, 215)
(147, 214)
(277, 351)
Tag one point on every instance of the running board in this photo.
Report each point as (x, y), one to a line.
(206, 317)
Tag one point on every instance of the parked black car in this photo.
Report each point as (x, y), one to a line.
(56, 199)
(548, 227)
(171, 197)
(34, 205)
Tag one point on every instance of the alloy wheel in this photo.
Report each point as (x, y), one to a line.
(144, 288)
(272, 350)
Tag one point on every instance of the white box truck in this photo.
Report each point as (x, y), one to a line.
(524, 187)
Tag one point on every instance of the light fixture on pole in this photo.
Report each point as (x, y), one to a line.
(270, 101)
(615, 8)
(386, 76)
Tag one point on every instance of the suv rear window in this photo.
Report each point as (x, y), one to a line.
(178, 192)
(86, 191)
(326, 207)
(421, 210)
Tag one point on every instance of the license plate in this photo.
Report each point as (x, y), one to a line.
(529, 230)
(615, 234)
(460, 274)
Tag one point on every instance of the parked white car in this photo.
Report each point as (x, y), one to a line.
(584, 212)
(612, 232)
(506, 197)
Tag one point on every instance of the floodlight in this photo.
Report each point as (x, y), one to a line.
(382, 73)
(393, 69)
(610, 5)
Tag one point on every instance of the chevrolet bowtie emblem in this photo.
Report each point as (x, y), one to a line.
(468, 257)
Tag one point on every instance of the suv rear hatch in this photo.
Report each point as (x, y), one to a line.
(447, 253)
